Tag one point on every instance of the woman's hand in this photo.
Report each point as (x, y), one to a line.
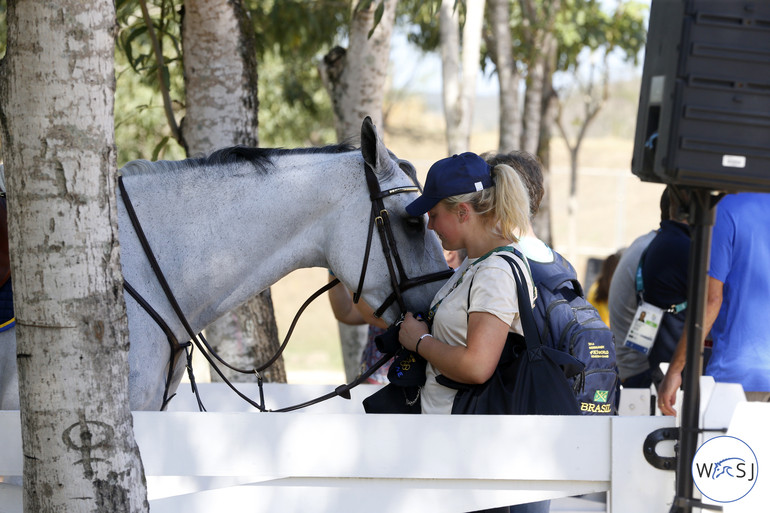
(411, 330)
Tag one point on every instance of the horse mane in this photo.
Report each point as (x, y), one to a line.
(260, 158)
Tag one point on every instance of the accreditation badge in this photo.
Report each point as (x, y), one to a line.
(645, 327)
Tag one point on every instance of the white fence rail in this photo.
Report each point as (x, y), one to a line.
(333, 458)
(203, 462)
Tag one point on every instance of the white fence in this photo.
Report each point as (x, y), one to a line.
(316, 461)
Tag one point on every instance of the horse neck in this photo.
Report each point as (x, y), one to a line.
(222, 236)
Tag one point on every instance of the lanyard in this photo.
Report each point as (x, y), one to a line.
(434, 308)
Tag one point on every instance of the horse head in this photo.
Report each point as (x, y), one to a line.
(403, 264)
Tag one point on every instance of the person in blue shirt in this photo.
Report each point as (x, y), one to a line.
(738, 298)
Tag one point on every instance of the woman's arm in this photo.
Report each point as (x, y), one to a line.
(347, 312)
(342, 305)
(473, 364)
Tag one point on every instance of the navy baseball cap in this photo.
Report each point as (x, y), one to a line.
(458, 174)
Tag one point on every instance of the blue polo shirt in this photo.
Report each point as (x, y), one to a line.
(740, 258)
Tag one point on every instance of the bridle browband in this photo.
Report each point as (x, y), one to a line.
(399, 283)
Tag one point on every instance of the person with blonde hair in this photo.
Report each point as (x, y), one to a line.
(481, 209)
(485, 210)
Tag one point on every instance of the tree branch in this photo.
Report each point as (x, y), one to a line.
(164, 87)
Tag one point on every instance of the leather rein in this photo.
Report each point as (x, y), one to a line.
(400, 282)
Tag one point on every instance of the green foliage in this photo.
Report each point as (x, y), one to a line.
(134, 40)
(579, 25)
(583, 24)
(141, 128)
(294, 108)
(292, 35)
(628, 29)
(420, 20)
(298, 29)
(378, 12)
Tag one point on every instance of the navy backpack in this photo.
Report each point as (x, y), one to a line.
(568, 322)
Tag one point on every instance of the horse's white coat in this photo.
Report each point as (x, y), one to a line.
(224, 232)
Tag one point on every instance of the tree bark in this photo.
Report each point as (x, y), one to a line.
(57, 96)
(459, 70)
(501, 46)
(355, 77)
(538, 25)
(220, 71)
(539, 30)
(221, 99)
(542, 221)
(241, 336)
(533, 104)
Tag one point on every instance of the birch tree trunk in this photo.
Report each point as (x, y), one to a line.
(537, 117)
(539, 29)
(57, 95)
(549, 99)
(220, 71)
(355, 79)
(501, 46)
(459, 70)
(533, 103)
(221, 96)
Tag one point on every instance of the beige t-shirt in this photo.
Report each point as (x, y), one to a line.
(493, 291)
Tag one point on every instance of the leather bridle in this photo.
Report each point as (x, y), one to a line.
(400, 282)
(379, 217)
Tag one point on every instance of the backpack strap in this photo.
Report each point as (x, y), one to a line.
(557, 280)
(531, 333)
(554, 275)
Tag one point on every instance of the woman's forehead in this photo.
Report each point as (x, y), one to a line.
(439, 207)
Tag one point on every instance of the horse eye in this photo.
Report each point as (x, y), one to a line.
(414, 224)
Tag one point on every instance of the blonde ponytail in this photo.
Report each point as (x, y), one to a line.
(511, 202)
(506, 205)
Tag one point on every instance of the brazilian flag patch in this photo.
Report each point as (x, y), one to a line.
(600, 396)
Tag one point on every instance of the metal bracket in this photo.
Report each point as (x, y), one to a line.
(680, 503)
(651, 443)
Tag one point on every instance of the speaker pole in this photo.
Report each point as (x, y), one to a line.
(702, 215)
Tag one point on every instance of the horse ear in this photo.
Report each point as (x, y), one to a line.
(372, 147)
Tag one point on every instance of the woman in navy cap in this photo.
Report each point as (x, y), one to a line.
(483, 210)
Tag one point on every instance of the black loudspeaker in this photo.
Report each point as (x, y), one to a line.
(704, 106)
